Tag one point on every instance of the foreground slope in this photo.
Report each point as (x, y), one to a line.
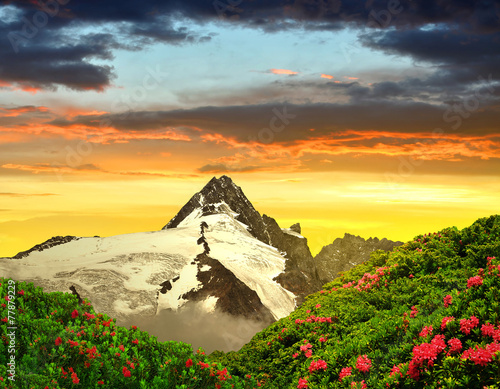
(49, 340)
(425, 315)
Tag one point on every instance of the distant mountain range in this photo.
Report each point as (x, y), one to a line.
(218, 254)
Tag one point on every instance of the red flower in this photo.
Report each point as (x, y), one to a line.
(345, 372)
(5, 319)
(75, 379)
(363, 364)
(100, 382)
(427, 330)
(488, 329)
(121, 347)
(189, 362)
(317, 365)
(302, 383)
(468, 324)
(455, 345)
(135, 341)
(474, 281)
(74, 314)
(21, 292)
(395, 370)
(126, 372)
(203, 365)
(447, 300)
(58, 341)
(445, 321)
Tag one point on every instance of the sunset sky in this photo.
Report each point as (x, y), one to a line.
(377, 118)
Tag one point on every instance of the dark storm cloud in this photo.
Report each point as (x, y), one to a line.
(46, 61)
(243, 123)
(41, 47)
(460, 57)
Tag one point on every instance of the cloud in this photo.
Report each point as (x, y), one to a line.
(27, 194)
(244, 123)
(222, 168)
(283, 71)
(53, 168)
(460, 58)
(46, 47)
(327, 76)
(192, 325)
(18, 111)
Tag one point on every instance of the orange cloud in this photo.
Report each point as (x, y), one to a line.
(19, 86)
(72, 112)
(423, 146)
(14, 112)
(283, 71)
(351, 78)
(327, 76)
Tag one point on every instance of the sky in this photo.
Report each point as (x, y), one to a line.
(375, 118)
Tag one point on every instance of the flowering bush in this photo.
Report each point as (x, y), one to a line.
(425, 313)
(60, 344)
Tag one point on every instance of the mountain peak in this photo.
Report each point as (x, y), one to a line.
(217, 192)
(222, 195)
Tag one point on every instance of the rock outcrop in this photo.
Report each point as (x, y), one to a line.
(52, 242)
(345, 253)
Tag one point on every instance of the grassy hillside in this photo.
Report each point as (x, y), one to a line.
(426, 315)
(60, 344)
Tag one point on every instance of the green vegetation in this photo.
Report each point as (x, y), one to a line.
(425, 315)
(60, 344)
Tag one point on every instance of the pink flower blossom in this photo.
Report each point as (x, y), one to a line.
(474, 281)
(345, 372)
(363, 364)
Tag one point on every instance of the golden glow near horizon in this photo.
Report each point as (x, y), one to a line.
(326, 205)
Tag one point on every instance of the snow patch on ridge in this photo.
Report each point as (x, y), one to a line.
(290, 232)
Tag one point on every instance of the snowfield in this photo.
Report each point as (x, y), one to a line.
(121, 275)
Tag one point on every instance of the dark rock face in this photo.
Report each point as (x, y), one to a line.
(223, 190)
(345, 253)
(300, 275)
(55, 241)
(296, 228)
(234, 296)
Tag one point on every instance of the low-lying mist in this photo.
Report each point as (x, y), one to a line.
(191, 324)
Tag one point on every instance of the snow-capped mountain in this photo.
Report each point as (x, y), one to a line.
(217, 252)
